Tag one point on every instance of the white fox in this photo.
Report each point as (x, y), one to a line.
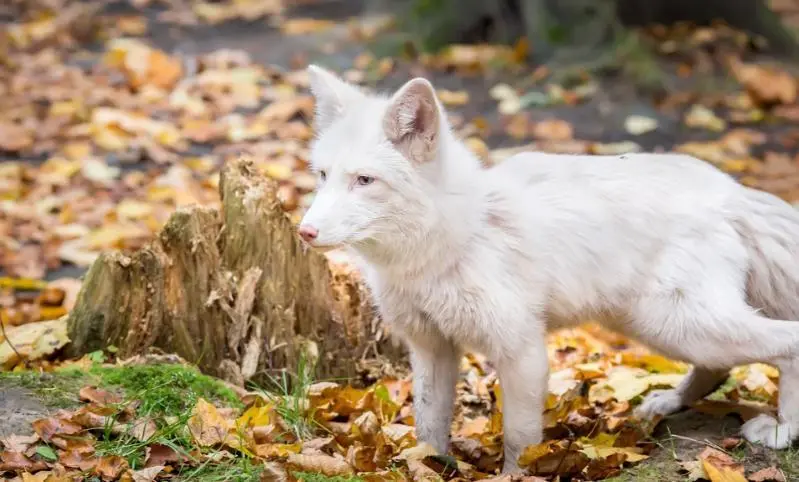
(663, 248)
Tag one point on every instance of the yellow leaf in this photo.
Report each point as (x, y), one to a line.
(453, 97)
(22, 283)
(255, 417)
(277, 171)
(720, 467)
(653, 363)
(532, 453)
(113, 235)
(721, 474)
(624, 384)
(269, 451)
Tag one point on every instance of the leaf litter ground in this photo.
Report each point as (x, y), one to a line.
(114, 116)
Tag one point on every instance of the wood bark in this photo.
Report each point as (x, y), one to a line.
(236, 292)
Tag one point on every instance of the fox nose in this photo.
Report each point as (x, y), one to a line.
(308, 233)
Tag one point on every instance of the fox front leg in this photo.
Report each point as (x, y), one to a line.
(434, 361)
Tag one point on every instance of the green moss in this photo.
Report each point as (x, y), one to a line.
(167, 389)
(641, 473)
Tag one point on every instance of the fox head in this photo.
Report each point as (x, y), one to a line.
(377, 159)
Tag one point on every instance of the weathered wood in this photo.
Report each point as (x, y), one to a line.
(236, 292)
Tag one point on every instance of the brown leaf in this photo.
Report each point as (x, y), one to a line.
(553, 130)
(273, 472)
(17, 461)
(46, 428)
(78, 459)
(769, 474)
(161, 455)
(767, 85)
(420, 472)
(110, 467)
(98, 396)
(730, 443)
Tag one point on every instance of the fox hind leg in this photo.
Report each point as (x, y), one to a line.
(698, 383)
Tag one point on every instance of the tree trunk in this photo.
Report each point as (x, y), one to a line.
(236, 292)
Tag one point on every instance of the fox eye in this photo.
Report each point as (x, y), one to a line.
(364, 180)
(322, 175)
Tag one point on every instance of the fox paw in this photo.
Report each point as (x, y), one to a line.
(659, 402)
(766, 430)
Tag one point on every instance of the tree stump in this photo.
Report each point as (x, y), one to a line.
(234, 291)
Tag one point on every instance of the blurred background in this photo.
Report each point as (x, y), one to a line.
(114, 113)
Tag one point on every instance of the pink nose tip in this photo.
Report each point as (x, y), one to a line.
(308, 233)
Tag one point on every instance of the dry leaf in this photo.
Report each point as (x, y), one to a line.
(638, 124)
(322, 464)
(553, 130)
(207, 426)
(146, 475)
(33, 341)
(720, 467)
(769, 474)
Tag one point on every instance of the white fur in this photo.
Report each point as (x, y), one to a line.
(663, 248)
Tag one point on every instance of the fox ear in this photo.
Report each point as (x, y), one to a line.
(332, 95)
(412, 121)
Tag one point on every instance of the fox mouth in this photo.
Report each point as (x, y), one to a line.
(322, 248)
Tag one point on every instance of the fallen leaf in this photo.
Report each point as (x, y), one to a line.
(146, 475)
(161, 455)
(110, 467)
(453, 98)
(19, 443)
(769, 474)
(17, 461)
(48, 427)
(702, 117)
(98, 396)
(206, 424)
(323, 464)
(720, 467)
(695, 470)
(638, 124)
(766, 84)
(304, 26)
(553, 130)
